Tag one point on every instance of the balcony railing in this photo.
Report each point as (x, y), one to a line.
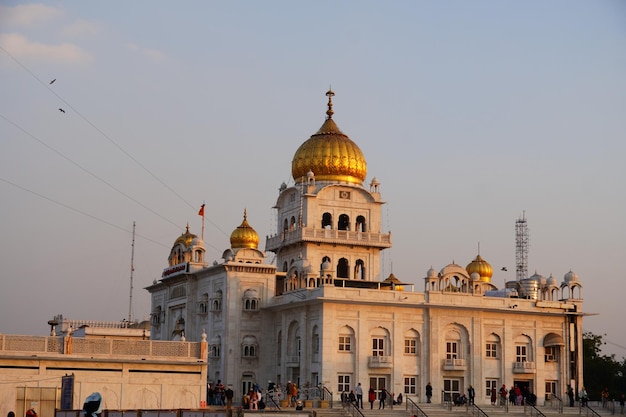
(332, 236)
(454, 364)
(379, 361)
(523, 367)
(293, 360)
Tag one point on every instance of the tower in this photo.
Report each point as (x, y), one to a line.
(521, 247)
(328, 224)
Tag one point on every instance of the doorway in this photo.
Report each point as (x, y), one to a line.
(378, 383)
(452, 389)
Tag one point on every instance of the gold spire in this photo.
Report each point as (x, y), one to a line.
(330, 111)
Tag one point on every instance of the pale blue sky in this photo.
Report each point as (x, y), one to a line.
(468, 113)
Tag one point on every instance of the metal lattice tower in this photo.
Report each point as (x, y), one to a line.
(522, 238)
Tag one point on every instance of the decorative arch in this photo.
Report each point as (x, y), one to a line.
(294, 341)
(346, 339)
(344, 222)
(360, 225)
(381, 342)
(343, 268)
(412, 343)
(249, 347)
(359, 269)
(327, 221)
(493, 346)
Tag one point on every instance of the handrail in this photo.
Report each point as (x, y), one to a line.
(446, 399)
(270, 397)
(353, 410)
(415, 410)
(325, 391)
(476, 410)
(590, 411)
(534, 411)
(559, 404)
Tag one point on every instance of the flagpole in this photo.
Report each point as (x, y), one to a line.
(201, 213)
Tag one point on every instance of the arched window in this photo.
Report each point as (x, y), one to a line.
(346, 339)
(292, 223)
(285, 225)
(315, 340)
(216, 347)
(285, 266)
(360, 224)
(344, 222)
(359, 269)
(157, 316)
(492, 346)
(216, 301)
(380, 342)
(327, 221)
(203, 304)
(411, 343)
(343, 269)
(251, 300)
(249, 347)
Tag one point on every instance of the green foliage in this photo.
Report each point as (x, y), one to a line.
(601, 371)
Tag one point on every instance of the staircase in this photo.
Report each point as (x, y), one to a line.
(438, 410)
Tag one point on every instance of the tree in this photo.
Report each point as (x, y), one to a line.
(601, 371)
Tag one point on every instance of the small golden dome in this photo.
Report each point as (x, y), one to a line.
(480, 266)
(329, 154)
(396, 284)
(185, 238)
(244, 236)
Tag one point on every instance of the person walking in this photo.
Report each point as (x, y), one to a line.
(381, 398)
(429, 392)
(494, 396)
(359, 396)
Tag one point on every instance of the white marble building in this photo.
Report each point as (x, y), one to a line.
(321, 313)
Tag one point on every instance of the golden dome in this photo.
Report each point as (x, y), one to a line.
(329, 154)
(481, 267)
(185, 238)
(244, 236)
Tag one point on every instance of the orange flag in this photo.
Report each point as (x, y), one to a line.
(201, 212)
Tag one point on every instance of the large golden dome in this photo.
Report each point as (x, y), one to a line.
(480, 266)
(329, 154)
(244, 236)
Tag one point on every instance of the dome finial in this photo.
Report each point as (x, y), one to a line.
(245, 214)
(330, 95)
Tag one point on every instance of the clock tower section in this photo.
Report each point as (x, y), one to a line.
(329, 229)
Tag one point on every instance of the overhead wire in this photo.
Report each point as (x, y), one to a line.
(119, 147)
(91, 216)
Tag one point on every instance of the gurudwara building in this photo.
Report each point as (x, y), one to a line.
(321, 314)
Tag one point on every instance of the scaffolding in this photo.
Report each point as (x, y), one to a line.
(522, 238)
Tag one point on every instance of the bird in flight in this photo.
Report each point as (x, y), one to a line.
(53, 81)
(61, 110)
(504, 268)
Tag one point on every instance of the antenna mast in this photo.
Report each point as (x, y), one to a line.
(132, 269)
(522, 238)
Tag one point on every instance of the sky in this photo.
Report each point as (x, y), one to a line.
(470, 115)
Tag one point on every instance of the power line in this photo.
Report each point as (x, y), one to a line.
(91, 216)
(47, 86)
(87, 171)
